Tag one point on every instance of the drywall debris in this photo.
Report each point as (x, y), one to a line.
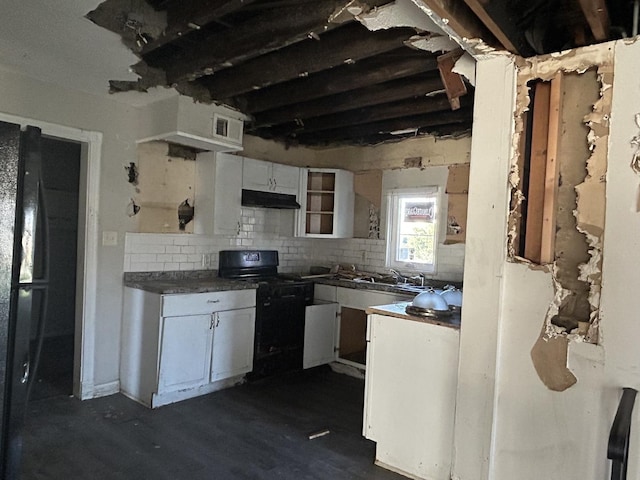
(635, 141)
(549, 356)
(432, 43)
(401, 13)
(135, 21)
(475, 46)
(466, 66)
(348, 11)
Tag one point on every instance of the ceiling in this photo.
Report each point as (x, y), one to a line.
(310, 72)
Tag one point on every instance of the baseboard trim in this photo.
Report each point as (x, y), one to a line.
(95, 391)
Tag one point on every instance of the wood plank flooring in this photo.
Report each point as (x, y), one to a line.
(253, 431)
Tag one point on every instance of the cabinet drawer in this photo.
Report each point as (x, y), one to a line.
(202, 303)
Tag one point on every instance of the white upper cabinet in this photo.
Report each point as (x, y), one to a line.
(218, 194)
(270, 177)
(327, 202)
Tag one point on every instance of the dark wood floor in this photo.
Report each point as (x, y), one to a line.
(254, 431)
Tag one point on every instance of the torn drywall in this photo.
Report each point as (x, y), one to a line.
(432, 43)
(401, 13)
(576, 269)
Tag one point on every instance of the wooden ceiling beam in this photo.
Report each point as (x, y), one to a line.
(400, 63)
(350, 43)
(597, 15)
(418, 86)
(273, 29)
(479, 8)
(187, 16)
(497, 16)
(424, 122)
(404, 108)
(458, 16)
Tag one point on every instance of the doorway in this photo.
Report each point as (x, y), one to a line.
(61, 161)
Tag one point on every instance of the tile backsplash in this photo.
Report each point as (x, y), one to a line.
(270, 230)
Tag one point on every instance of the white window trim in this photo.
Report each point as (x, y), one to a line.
(393, 197)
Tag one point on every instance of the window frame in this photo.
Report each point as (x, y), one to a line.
(394, 198)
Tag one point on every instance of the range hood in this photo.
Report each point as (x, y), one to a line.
(256, 199)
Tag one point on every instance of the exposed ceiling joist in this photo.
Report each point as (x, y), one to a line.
(479, 7)
(347, 44)
(458, 120)
(597, 15)
(403, 108)
(458, 17)
(417, 86)
(185, 16)
(308, 71)
(257, 35)
(400, 63)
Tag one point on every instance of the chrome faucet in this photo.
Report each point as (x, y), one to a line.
(398, 275)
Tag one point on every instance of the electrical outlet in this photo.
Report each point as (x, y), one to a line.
(206, 260)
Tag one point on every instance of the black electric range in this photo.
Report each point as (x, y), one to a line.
(280, 309)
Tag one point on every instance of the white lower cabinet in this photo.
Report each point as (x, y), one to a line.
(185, 352)
(232, 352)
(319, 334)
(410, 395)
(176, 347)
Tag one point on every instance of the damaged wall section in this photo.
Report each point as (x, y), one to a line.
(579, 200)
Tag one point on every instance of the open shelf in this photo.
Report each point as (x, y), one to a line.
(320, 202)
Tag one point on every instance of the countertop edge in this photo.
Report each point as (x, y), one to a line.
(396, 310)
(170, 287)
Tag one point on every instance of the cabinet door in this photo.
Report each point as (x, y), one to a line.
(227, 194)
(319, 334)
(286, 179)
(185, 352)
(256, 175)
(233, 343)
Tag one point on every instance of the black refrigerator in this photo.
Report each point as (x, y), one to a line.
(23, 282)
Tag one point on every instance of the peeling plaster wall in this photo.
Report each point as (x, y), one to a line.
(164, 182)
(509, 425)
(430, 150)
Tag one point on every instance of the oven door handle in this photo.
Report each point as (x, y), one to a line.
(289, 296)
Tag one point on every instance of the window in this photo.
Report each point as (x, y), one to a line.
(413, 229)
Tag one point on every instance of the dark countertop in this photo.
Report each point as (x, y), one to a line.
(199, 281)
(397, 310)
(381, 287)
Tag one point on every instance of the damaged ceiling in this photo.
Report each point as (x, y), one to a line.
(325, 72)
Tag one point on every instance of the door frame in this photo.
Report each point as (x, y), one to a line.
(87, 250)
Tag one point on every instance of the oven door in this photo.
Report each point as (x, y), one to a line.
(279, 337)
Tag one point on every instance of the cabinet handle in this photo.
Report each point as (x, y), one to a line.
(275, 184)
(217, 319)
(238, 228)
(213, 301)
(211, 320)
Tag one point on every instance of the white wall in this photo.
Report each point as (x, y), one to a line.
(508, 424)
(31, 99)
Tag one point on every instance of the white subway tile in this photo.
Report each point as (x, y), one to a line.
(139, 267)
(143, 257)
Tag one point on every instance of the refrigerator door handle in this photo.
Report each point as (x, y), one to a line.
(25, 371)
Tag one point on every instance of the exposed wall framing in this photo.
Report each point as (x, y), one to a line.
(570, 194)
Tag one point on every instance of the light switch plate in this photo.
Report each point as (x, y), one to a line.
(109, 239)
